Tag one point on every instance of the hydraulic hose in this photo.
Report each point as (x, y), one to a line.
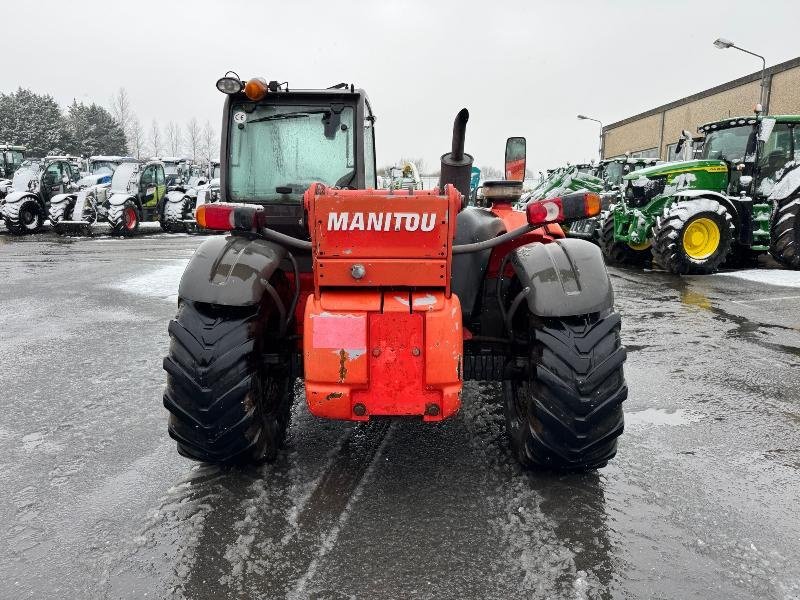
(495, 241)
(288, 240)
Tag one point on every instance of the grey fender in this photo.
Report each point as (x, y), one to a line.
(175, 196)
(59, 198)
(231, 270)
(120, 199)
(565, 278)
(473, 224)
(14, 197)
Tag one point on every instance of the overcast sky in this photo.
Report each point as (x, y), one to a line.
(522, 68)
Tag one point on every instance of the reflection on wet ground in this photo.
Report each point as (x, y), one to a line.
(701, 500)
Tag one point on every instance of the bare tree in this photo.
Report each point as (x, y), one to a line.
(155, 138)
(123, 114)
(193, 137)
(209, 143)
(136, 140)
(420, 162)
(489, 172)
(173, 141)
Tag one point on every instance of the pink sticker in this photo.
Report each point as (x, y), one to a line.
(332, 330)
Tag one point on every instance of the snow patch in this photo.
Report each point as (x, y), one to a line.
(655, 417)
(778, 277)
(161, 283)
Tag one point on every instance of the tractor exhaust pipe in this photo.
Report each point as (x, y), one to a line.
(457, 164)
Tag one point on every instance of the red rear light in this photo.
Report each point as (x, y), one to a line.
(227, 217)
(571, 207)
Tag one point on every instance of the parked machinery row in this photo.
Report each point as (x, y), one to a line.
(736, 198)
(118, 190)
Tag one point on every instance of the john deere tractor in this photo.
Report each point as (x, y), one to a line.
(384, 301)
(610, 171)
(739, 199)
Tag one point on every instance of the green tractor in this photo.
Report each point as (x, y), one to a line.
(610, 171)
(739, 199)
(564, 180)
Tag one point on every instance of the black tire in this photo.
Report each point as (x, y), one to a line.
(172, 216)
(125, 218)
(564, 411)
(669, 247)
(619, 253)
(785, 232)
(24, 217)
(226, 404)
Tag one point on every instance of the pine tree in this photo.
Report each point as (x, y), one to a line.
(32, 120)
(91, 130)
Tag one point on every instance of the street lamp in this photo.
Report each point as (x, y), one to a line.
(723, 44)
(585, 118)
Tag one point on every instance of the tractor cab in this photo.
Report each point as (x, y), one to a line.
(11, 158)
(755, 150)
(612, 170)
(277, 141)
(101, 169)
(175, 168)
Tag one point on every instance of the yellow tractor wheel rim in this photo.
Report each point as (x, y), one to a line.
(701, 238)
(639, 247)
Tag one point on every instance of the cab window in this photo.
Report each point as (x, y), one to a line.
(160, 179)
(52, 174)
(148, 178)
(777, 151)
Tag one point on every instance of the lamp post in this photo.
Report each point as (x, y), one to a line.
(585, 118)
(723, 44)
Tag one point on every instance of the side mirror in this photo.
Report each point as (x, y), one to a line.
(516, 153)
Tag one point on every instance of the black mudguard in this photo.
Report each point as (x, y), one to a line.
(230, 270)
(473, 224)
(566, 278)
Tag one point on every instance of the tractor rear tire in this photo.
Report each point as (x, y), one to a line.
(564, 412)
(226, 404)
(173, 214)
(619, 253)
(684, 223)
(24, 217)
(785, 234)
(124, 219)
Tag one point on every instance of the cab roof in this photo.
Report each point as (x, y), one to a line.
(748, 120)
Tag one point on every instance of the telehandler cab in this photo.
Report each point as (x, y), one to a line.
(384, 301)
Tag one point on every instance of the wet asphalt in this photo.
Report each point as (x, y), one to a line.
(700, 502)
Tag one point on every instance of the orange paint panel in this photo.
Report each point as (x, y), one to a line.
(381, 226)
(444, 342)
(383, 272)
(412, 360)
(350, 299)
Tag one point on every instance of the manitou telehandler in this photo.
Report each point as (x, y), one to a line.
(384, 301)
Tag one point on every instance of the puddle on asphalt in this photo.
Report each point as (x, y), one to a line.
(657, 417)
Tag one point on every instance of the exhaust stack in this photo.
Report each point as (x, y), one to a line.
(457, 164)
